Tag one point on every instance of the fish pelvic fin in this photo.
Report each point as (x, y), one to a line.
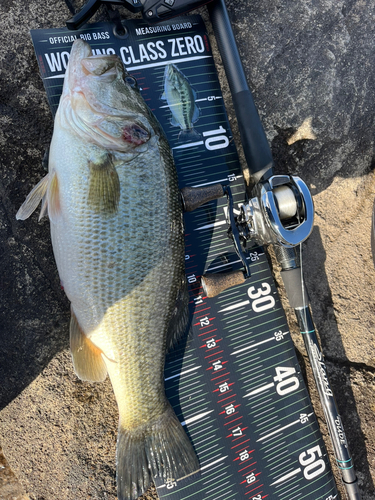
(36, 195)
(104, 188)
(87, 359)
(162, 449)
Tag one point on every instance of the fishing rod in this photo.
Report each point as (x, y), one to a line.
(272, 217)
(278, 210)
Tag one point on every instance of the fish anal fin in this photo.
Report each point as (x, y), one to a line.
(180, 316)
(161, 449)
(104, 187)
(33, 199)
(196, 114)
(87, 358)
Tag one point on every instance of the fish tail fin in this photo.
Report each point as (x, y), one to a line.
(189, 134)
(160, 450)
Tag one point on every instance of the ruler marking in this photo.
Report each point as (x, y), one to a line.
(203, 461)
(284, 462)
(286, 477)
(260, 389)
(182, 373)
(235, 306)
(213, 463)
(196, 417)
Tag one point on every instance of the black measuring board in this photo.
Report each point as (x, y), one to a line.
(235, 383)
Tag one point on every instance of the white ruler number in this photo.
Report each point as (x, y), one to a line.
(312, 464)
(261, 298)
(286, 381)
(216, 139)
(170, 484)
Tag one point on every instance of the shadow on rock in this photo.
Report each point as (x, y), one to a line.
(34, 311)
(338, 364)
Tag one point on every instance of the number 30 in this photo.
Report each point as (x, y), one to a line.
(261, 300)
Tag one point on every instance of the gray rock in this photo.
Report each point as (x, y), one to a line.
(310, 66)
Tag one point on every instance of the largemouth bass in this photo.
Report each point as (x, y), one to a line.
(180, 98)
(112, 197)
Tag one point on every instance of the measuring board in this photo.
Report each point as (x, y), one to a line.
(235, 383)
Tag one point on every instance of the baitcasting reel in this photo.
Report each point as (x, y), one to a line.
(152, 10)
(280, 211)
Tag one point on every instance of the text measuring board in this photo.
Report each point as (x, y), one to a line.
(235, 383)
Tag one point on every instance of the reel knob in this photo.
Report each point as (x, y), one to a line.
(213, 284)
(194, 197)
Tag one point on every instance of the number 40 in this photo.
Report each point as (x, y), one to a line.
(286, 380)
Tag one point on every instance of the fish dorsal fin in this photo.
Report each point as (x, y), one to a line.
(104, 188)
(180, 316)
(87, 358)
(33, 199)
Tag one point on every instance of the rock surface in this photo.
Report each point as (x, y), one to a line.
(310, 66)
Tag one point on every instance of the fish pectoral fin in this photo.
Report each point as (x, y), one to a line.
(180, 316)
(104, 187)
(88, 362)
(161, 449)
(33, 199)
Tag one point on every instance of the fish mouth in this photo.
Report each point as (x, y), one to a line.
(82, 64)
(170, 71)
(80, 50)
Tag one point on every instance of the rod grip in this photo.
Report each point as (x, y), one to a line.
(296, 292)
(253, 138)
(254, 141)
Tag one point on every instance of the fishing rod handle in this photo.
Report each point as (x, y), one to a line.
(253, 138)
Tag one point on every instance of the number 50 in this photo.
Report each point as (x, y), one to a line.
(312, 466)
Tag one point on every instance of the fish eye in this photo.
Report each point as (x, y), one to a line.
(130, 80)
